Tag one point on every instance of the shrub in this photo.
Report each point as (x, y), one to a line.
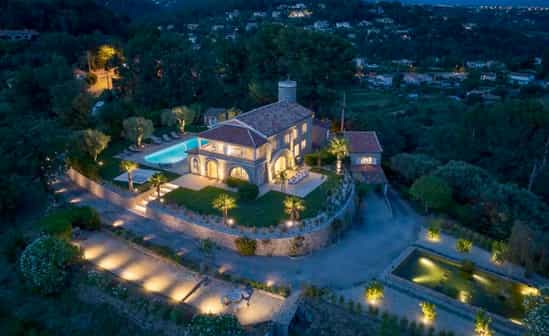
(433, 232)
(44, 263)
(467, 266)
(499, 252)
(245, 246)
(213, 325)
(429, 311)
(432, 192)
(363, 189)
(374, 291)
(464, 245)
(413, 166)
(58, 223)
(482, 324)
(248, 191)
(85, 218)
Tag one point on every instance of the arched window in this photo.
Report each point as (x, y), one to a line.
(239, 173)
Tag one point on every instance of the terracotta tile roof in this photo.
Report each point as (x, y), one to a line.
(274, 118)
(362, 142)
(370, 174)
(234, 134)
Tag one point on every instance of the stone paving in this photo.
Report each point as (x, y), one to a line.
(174, 281)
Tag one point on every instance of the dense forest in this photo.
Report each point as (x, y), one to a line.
(493, 156)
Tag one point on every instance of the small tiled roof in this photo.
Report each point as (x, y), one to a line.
(274, 118)
(362, 142)
(234, 134)
(369, 174)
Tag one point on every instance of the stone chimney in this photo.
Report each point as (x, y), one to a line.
(287, 91)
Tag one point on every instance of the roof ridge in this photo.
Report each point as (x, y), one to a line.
(251, 137)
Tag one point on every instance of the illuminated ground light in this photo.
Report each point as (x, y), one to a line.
(481, 279)
(118, 222)
(230, 222)
(93, 252)
(270, 283)
(289, 223)
(425, 278)
(211, 305)
(464, 296)
(515, 321)
(179, 292)
(134, 272)
(426, 262)
(113, 261)
(527, 290)
(76, 200)
(62, 190)
(158, 283)
(223, 269)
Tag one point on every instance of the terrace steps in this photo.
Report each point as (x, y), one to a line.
(141, 208)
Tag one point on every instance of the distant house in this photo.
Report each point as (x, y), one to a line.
(193, 26)
(488, 77)
(18, 35)
(251, 26)
(521, 78)
(259, 14)
(385, 20)
(476, 64)
(321, 132)
(214, 115)
(364, 23)
(343, 25)
(275, 14)
(232, 14)
(416, 79)
(365, 153)
(321, 25)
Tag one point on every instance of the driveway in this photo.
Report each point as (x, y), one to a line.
(364, 251)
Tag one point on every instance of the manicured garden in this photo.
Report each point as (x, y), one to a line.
(265, 211)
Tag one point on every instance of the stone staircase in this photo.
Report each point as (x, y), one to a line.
(141, 207)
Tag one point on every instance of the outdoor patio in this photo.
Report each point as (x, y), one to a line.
(197, 182)
(300, 189)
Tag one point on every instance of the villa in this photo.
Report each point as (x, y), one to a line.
(365, 153)
(257, 145)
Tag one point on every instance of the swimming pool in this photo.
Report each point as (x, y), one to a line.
(172, 154)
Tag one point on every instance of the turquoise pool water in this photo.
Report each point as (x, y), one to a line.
(172, 154)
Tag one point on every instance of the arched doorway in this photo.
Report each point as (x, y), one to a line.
(239, 173)
(195, 166)
(280, 165)
(211, 169)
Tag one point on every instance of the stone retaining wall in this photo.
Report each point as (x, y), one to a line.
(296, 241)
(104, 192)
(268, 244)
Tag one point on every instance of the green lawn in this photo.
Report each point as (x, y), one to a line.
(262, 212)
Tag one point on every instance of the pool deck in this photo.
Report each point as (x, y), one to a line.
(180, 168)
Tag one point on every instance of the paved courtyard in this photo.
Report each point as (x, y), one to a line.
(174, 281)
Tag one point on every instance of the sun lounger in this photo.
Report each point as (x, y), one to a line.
(156, 140)
(165, 137)
(175, 135)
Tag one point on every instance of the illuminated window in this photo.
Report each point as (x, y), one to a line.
(304, 128)
(287, 138)
(294, 133)
(303, 144)
(296, 150)
(368, 160)
(235, 151)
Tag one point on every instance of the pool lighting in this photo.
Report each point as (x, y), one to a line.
(162, 200)
(481, 279)
(464, 296)
(426, 262)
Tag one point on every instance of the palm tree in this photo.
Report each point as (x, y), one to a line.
(338, 147)
(293, 206)
(156, 181)
(224, 203)
(283, 177)
(129, 167)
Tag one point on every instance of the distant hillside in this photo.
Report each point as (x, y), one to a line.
(480, 2)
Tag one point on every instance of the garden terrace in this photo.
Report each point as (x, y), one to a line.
(265, 211)
(107, 168)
